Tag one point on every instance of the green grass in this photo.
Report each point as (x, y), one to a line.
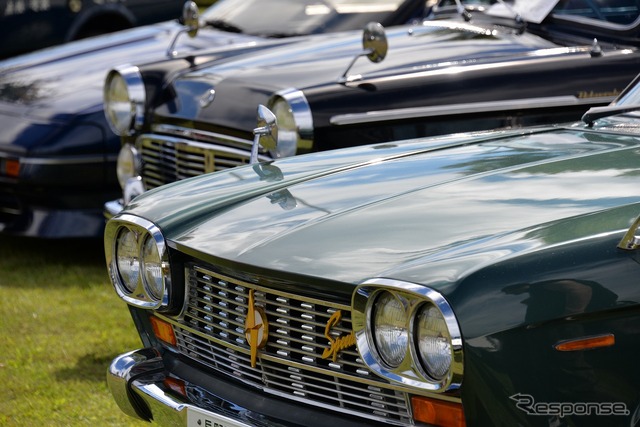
(61, 324)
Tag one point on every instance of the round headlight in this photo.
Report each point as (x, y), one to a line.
(124, 99)
(152, 269)
(390, 331)
(128, 165)
(434, 342)
(295, 123)
(287, 129)
(127, 259)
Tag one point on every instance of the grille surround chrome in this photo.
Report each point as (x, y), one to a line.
(291, 364)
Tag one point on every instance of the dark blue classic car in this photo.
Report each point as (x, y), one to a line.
(27, 25)
(57, 152)
(479, 279)
(508, 65)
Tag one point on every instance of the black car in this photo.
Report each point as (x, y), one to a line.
(57, 152)
(508, 65)
(32, 25)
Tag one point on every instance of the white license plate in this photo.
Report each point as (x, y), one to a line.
(199, 418)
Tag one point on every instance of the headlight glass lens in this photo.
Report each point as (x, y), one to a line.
(127, 165)
(287, 129)
(119, 109)
(390, 329)
(127, 259)
(434, 342)
(152, 269)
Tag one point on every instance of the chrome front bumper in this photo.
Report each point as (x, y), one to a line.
(136, 379)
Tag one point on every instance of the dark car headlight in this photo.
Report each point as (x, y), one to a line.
(124, 99)
(129, 164)
(408, 333)
(138, 262)
(295, 123)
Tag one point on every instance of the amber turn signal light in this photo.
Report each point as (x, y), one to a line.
(586, 343)
(162, 330)
(438, 412)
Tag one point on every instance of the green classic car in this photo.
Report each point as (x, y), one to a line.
(480, 279)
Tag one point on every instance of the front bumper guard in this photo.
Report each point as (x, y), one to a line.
(135, 380)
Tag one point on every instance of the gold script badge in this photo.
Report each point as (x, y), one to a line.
(256, 328)
(336, 344)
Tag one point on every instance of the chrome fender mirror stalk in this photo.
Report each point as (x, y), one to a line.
(190, 19)
(265, 134)
(375, 46)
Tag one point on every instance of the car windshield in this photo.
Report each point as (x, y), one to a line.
(621, 12)
(292, 17)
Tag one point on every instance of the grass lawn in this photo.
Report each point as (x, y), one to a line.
(61, 324)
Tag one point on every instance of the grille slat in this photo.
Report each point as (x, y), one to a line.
(211, 331)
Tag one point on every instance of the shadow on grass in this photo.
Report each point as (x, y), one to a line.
(64, 251)
(90, 367)
(32, 263)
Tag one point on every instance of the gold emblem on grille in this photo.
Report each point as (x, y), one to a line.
(336, 344)
(256, 328)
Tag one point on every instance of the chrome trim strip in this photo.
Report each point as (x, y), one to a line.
(467, 108)
(199, 135)
(58, 161)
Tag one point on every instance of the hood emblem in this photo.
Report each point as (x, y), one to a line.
(207, 98)
(256, 328)
(340, 343)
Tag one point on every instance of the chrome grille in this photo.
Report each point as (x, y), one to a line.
(171, 153)
(291, 365)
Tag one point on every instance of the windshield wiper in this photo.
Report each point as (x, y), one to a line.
(219, 24)
(595, 113)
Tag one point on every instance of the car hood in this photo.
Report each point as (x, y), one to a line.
(45, 84)
(431, 211)
(244, 82)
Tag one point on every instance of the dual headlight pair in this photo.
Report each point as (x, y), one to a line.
(138, 262)
(408, 333)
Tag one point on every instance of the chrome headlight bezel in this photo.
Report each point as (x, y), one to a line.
(139, 292)
(412, 370)
(295, 123)
(127, 114)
